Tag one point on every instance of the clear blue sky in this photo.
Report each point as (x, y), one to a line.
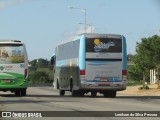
(42, 24)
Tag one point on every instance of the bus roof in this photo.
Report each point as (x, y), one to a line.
(10, 41)
(94, 35)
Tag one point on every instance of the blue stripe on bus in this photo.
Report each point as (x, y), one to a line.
(82, 51)
(124, 53)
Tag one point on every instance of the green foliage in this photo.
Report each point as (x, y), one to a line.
(134, 73)
(148, 52)
(147, 57)
(39, 71)
(39, 77)
(134, 83)
(33, 63)
(42, 63)
(39, 63)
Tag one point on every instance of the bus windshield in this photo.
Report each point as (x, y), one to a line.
(11, 53)
(109, 45)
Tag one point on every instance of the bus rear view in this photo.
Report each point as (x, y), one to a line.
(105, 64)
(13, 67)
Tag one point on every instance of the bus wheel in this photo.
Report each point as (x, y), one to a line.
(23, 92)
(74, 93)
(93, 93)
(61, 92)
(71, 85)
(17, 93)
(57, 84)
(81, 93)
(109, 94)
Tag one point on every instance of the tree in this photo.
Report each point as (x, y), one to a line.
(39, 71)
(133, 72)
(39, 63)
(148, 55)
(42, 62)
(33, 63)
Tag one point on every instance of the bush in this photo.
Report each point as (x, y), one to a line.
(145, 87)
(140, 88)
(39, 77)
(158, 87)
(134, 83)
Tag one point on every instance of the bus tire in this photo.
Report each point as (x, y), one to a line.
(93, 93)
(23, 92)
(109, 94)
(81, 93)
(74, 93)
(71, 84)
(17, 92)
(61, 92)
(57, 84)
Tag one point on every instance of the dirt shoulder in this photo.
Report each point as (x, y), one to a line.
(134, 91)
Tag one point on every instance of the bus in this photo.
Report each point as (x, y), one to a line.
(13, 67)
(95, 63)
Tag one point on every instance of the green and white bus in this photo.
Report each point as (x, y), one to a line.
(13, 67)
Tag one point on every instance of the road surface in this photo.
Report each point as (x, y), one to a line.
(47, 99)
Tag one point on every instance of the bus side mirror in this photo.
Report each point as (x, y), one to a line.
(53, 60)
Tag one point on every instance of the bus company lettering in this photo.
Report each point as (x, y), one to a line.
(7, 67)
(100, 45)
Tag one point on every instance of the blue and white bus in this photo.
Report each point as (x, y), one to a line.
(91, 63)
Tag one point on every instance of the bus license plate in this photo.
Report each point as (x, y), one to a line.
(6, 81)
(104, 84)
(103, 79)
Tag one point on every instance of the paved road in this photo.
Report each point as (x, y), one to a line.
(47, 99)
